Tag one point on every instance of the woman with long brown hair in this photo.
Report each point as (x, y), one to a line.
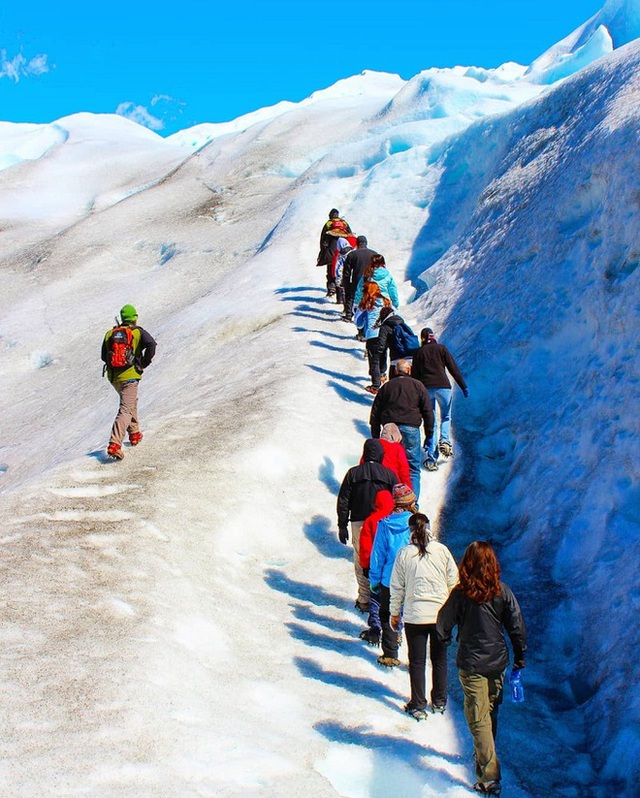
(377, 272)
(483, 607)
(366, 320)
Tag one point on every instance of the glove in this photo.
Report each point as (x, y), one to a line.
(518, 665)
(365, 571)
(374, 588)
(343, 535)
(465, 392)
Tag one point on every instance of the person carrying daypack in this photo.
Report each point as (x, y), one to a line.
(334, 228)
(396, 336)
(354, 266)
(127, 350)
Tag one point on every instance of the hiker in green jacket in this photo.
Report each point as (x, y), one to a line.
(127, 350)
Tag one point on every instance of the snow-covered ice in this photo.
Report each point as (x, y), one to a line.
(182, 623)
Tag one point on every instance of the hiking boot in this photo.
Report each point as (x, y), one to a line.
(438, 709)
(115, 450)
(135, 438)
(371, 636)
(416, 714)
(372, 389)
(360, 606)
(488, 787)
(430, 464)
(346, 317)
(383, 379)
(446, 449)
(360, 337)
(399, 639)
(388, 662)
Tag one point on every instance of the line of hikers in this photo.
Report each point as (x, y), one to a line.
(407, 580)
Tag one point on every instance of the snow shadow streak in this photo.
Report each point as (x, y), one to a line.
(337, 375)
(294, 289)
(302, 591)
(359, 685)
(342, 349)
(325, 333)
(348, 647)
(406, 750)
(327, 475)
(348, 395)
(305, 613)
(318, 531)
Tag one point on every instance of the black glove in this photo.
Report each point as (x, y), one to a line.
(343, 535)
(465, 392)
(518, 665)
(365, 571)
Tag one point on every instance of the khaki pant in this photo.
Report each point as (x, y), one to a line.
(127, 418)
(364, 592)
(482, 698)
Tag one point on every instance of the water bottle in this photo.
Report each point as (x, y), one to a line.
(517, 688)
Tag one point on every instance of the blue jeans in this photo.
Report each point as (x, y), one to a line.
(442, 397)
(411, 443)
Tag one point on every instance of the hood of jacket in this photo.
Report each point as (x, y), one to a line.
(398, 523)
(372, 451)
(383, 503)
(390, 432)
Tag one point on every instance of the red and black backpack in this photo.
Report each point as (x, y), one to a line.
(120, 352)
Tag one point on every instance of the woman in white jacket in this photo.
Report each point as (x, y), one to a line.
(423, 575)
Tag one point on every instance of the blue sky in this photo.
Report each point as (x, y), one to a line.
(175, 65)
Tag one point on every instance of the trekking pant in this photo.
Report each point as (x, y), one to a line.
(417, 636)
(363, 583)
(374, 612)
(377, 361)
(411, 443)
(389, 635)
(441, 398)
(127, 419)
(482, 698)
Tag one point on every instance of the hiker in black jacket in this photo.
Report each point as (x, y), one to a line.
(482, 607)
(430, 365)
(389, 319)
(354, 265)
(356, 500)
(404, 401)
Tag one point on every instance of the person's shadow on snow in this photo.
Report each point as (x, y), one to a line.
(350, 396)
(327, 475)
(303, 612)
(404, 750)
(337, 375)
(314, 594)
(319, 532)
(350, 646)
(326, 333)
(361, 685)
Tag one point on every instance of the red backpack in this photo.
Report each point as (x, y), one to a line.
(120, 348)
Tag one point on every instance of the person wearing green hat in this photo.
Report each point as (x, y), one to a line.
(127, 350)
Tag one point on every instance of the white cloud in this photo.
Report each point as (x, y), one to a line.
(18, 66)
(139, 114)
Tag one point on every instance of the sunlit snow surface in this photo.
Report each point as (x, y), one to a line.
(182, 623)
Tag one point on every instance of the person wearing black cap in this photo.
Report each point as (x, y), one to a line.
(356, 501)
(334, 228)
(354, 265)
(430, 365)
(127, 350)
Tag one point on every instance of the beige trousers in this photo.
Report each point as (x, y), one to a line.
(127, 418)
(482, 698)
(364, 592)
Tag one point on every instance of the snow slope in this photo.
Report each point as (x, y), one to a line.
(182, 623)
